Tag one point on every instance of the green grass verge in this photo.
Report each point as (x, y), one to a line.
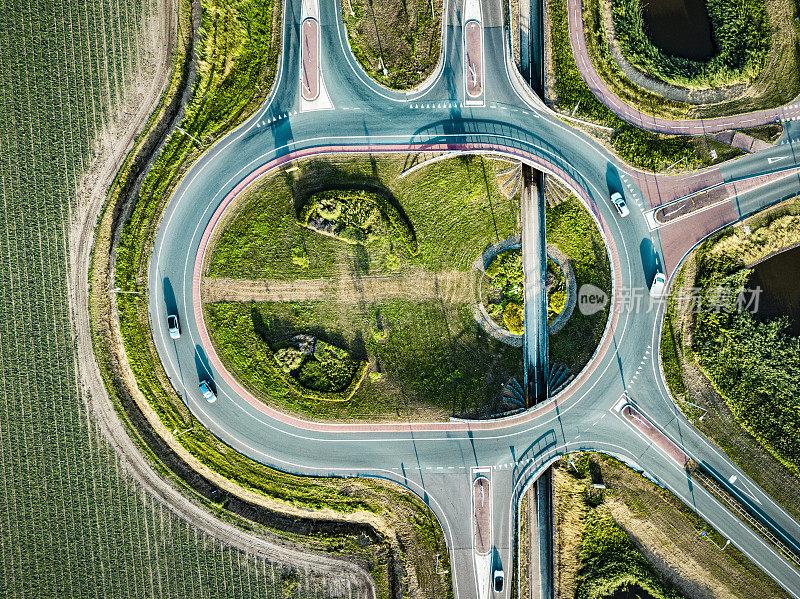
(639, 148)
(617, 543)
(611, 564)
(405, 38)
(574, 232)
(754, 364)
(454, 207)
(429, 358)
(432, 357)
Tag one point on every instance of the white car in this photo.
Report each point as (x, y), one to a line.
(659, 283)
(208, 392)
(498, 579)
(174, 326)
(619, 204)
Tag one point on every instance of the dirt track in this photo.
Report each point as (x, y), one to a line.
(158, 40)
(452, 286)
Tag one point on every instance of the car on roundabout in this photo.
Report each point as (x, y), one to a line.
(619, 204)
(174, 326)
(208, 393)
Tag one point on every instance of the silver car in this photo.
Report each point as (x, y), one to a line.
(208, 392)
(619, 204)
(174, 326)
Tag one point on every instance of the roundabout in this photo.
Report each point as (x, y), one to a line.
(438, 460)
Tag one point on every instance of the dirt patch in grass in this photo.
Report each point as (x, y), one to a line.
(450, 286)
(396, 43)
(660, 526)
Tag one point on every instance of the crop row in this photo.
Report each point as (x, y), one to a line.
(72, 524)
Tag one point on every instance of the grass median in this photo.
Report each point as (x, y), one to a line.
(633, 535)
(397, 44)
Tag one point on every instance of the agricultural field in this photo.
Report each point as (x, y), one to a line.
(74, 524)
(296, 259)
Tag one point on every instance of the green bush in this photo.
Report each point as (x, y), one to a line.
(741, 33)
(300, 256)
(512, 318)
(610, 563)
(357, 217)
(289, 359)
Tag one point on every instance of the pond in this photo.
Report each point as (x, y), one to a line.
(779, 279)
(679, 27)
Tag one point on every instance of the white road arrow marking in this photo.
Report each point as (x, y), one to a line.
(778, 158)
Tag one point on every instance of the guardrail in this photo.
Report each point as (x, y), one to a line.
(746, 516)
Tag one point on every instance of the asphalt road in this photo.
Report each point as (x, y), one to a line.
(435, 460)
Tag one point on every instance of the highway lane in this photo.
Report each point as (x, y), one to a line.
(435, 462)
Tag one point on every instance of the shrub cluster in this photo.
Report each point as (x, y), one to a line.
(741, 35)
(611, 564)
(755, 364)
(357, 217)
(504, 295)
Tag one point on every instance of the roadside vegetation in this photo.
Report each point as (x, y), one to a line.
(741, 37)
(776, 83)
(397, 44)
(503, 292)
(640, 148)
(635, 539)
(740, 369)
(234, 71)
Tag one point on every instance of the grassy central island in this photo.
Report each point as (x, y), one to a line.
(345, 291)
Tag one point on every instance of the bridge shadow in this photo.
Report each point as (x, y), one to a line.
(455, 134)
(526, 461)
